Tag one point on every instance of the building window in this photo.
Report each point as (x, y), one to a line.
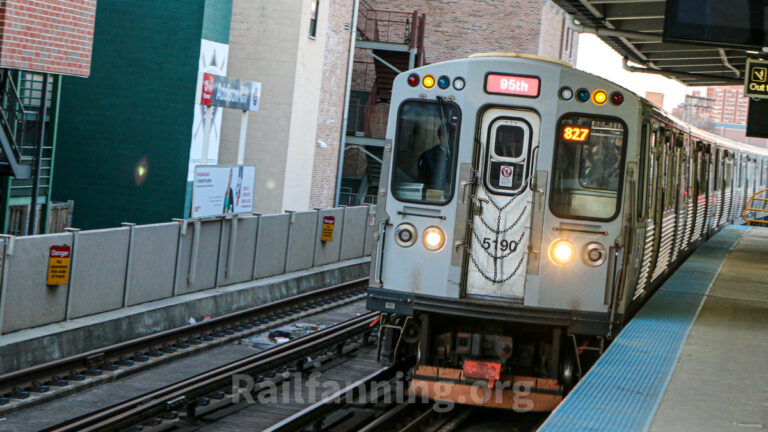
(313, 19)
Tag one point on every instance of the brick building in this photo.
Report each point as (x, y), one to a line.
(299, 52)
(41, 45)
(407, 33)
(728, 104)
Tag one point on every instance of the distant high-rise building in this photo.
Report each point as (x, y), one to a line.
(729, 104)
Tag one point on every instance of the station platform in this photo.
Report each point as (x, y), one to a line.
(695, 358)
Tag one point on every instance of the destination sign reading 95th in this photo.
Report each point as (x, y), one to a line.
(513, 85)
(756, 79)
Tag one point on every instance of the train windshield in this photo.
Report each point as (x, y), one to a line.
(587, 173)
(425, 151)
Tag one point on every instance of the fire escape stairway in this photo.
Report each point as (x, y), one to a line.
(385, 75)
(12, 117)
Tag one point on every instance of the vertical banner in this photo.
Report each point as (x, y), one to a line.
(222, 189)
(213, 60)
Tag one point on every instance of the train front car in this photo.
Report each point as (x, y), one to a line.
(501, 228)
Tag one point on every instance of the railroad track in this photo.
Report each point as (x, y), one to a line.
(40, 383)
(197, 391)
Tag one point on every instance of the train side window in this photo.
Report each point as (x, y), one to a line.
(424, 157)
(645, 147)
(509, 142)
(588, 167)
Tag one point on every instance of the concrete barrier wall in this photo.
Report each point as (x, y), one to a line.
(125, 266)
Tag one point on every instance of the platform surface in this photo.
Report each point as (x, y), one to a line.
(695, 358)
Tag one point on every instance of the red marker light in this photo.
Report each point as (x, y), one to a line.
(617, 98)
(413, 80)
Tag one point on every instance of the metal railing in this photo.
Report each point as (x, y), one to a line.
(387, 26)
(12, 113)
(355, 199)
(749, 208)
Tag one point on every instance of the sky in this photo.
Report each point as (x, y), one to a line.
(596, 57)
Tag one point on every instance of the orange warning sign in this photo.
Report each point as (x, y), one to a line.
(58, 264)
(328, 225)
(483, 370)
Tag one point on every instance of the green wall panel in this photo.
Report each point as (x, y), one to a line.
(136, 106)
(216, 20)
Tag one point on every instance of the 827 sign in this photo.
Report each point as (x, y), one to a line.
(502, 245)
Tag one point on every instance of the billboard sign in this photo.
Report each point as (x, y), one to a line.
(226, 92)
(222, 189)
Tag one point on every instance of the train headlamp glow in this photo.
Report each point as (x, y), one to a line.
(428, 81)
(433, 238)
(599, 97)
(561, 252)
(594, 254)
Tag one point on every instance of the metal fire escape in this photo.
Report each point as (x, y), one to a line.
(388, 43)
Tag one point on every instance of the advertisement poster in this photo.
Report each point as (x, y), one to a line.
(222, 189)
(213, 60)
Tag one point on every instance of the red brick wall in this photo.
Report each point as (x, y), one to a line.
(330, 115)
(457, 28)
(53, 36)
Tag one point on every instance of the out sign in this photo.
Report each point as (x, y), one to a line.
(329, 223)
(58, 264)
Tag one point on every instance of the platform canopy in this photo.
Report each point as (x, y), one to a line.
(634, 28)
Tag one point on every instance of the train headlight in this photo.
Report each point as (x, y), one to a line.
(594, 254)
(561, 252)
(405, 235)
(433, 238)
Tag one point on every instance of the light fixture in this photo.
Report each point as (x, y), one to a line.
(566, 93)
(434, 238)
(561, 252)
(617, 98)
(428, 81)
(405, 235)
(458, 83)
(582, 95)
(599, 97)
(443, 82)
(594, 254)
(413, 80)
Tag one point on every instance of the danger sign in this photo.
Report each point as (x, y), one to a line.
(505, 175)
(328, 224)
(58, 264)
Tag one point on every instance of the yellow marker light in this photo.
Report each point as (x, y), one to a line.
(428, 81)
(434, 238)
(561, 252)
(599, 97)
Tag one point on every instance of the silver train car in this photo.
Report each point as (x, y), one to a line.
(526, 211)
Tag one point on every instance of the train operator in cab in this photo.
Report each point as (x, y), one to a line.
(434, 168)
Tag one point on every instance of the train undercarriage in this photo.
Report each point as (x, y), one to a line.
(491, 363)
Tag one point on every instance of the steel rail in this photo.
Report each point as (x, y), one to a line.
(187, 391)
(102, 356)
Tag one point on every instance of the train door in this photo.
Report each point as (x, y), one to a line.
(665, 215)
(645, 236)
(498, 236)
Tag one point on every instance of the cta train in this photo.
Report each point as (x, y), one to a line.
(526, 211)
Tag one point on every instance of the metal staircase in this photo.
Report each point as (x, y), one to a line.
(12, 128)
